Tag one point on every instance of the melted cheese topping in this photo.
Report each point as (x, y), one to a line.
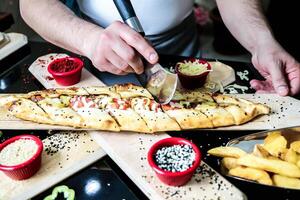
(139, 104)
(118, 104)
(146, 104)
(82, 102)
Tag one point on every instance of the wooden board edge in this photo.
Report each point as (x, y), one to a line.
(51, 181)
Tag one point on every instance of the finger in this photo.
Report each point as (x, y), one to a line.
(109, 67)
(262, 85)
(265, 92)
(294, 78)
(256, 84)
(128, 54)
(118, 62)
(278, 79)
(137, 41)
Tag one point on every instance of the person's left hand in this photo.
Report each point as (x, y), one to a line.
(280, 69)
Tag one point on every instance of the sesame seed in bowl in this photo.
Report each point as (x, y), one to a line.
(174, 160)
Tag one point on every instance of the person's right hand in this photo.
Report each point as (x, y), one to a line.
(118, 49)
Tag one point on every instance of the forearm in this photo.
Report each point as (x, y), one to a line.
(59, 25)
(245, 20)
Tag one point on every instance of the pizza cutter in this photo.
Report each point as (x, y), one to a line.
(160, 82)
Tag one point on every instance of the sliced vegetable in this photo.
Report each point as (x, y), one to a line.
(68, 193)
(65, 100)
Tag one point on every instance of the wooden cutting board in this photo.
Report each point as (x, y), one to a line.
(129, 151)
(39, 70)
(64, 154)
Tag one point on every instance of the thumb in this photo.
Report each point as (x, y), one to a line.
(278, 79)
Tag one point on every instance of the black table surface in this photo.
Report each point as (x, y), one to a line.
(15, 78)
(6, 21)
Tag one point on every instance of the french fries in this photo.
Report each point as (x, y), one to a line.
(298, 163)
(259, 151)
(296, 146)
(275, 144)
(287, 182)
(275, 162)
(233, 152)
(229, 163)
(276, 166)
(291, 156)
(253, 174)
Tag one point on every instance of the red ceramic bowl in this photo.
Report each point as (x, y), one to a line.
(193, 81)
(173, 178)
(66, 71)
(28, 168)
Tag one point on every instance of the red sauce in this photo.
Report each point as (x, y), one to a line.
(64, 66)
(49, 78)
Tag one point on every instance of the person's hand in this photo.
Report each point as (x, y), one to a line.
(117, 50)
(280, 70)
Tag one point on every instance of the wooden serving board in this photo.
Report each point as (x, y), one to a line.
(39, 70)
(64, 154)
(129, 151)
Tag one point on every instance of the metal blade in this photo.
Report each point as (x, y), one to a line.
(159, 82)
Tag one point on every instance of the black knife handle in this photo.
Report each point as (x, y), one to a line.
(128, 15)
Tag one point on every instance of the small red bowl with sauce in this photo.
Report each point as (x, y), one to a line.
(66, 71)
(30, 166)
(168, 177)
(191, 75)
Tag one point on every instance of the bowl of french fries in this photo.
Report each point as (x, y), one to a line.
(269, 159)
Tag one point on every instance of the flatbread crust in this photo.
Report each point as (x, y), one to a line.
(217, 114)
(114, 108)
(28, 110)
(61, 115)
(101, 90)
(129, 120)
(44, 93)
(131, 91)
(71, 91)
(189, 118)
(225, 100)
(241, 109)
(192, 96)
(6, 100)
(95, 118)
(156, 121)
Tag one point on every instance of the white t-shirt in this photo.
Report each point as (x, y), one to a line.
(156, 16)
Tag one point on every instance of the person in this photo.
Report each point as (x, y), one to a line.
(114, 47)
